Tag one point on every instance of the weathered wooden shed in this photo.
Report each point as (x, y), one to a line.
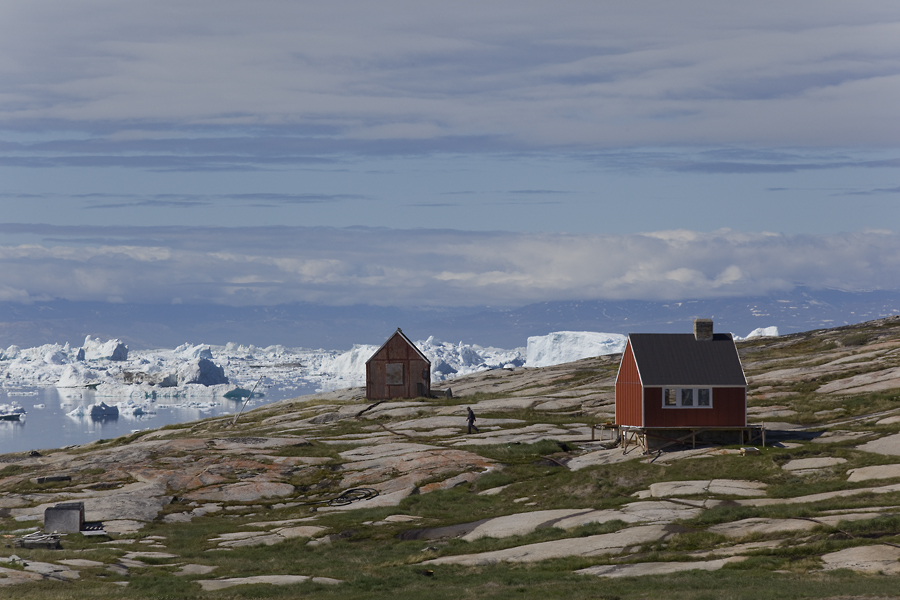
(690, 382)
(398, 370)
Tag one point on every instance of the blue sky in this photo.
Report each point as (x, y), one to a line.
(469, 153)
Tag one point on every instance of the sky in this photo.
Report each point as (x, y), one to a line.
(472, 153)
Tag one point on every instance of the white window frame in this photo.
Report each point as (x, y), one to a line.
(680, 397)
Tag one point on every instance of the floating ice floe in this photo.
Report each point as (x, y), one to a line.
(11, 412)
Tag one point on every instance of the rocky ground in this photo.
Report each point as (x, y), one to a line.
(542, 488)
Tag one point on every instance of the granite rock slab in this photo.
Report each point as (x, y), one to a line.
(595, 545)
(80, 562)
(885, 489)
(715, 487)
(600, 457)
(658, 568)
(51, 570)
(874, 472)
(245, 491)
(194, 569)
(805, 464)
(209, 585)
(520, 524)
(838, 436)
(876, 381)
(879, 558)
(760, 526)
(451, 422)
(888, 445)
(10, 577)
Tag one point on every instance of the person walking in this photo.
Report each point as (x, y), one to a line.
(470, 419)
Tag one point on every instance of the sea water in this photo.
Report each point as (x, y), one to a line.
(47, 423)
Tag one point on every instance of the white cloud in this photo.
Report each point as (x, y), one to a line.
(532, 73)
(434, 267)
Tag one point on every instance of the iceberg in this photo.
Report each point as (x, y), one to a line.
(110, 350)
(11, 412)
(568, 346)
(102, 411)
(77, 375)
(191, 351)
(760, 332)
(202, 371)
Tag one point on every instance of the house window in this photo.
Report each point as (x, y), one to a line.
(669, 397)
(687, 398)
(704, 397)
(393, 374)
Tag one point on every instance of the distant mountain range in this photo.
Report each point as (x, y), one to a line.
(339, 327)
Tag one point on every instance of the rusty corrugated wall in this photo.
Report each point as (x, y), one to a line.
(397, 370)
(629, 394)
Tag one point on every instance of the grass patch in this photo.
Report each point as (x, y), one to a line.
(10, 470)
(517, 453)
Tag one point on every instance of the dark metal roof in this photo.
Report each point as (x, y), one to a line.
(677, 359)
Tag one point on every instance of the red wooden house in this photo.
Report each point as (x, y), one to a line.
(673, 381)
(398, 370)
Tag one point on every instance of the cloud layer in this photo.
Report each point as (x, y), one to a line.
(229, 83)
(250, 266)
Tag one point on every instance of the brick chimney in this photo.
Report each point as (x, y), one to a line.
(703, 330)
